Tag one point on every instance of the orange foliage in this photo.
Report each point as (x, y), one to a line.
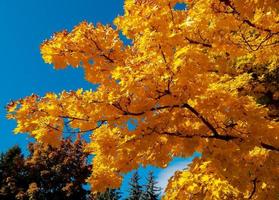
(180, 80)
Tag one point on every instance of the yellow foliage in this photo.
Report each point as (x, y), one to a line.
(200, 183)
(181, 80)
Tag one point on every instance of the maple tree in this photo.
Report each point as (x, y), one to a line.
(189, 81)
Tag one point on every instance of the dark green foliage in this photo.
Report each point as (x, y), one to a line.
(135, 191)
(151, 192)
(110, 194)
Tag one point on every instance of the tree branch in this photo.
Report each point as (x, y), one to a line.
(217, 137)
(103, 55)
(269, 147)
(72, 118)
(76, 132)
(215, 134)
(246, 21)
(199, 116)
(197, 42)
(254, 181)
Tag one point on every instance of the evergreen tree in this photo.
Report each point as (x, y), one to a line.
(110, 194)
(135, 191)
(151, 192)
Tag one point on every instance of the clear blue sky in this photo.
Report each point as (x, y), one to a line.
(24, 25)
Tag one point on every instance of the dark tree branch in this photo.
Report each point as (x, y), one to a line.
(215, 134)
(172, 17)
(217, 137)
(72, 118)
(254, 181)
(103, 55)
(163, 55)
(108, 58)
(246, 21)
(269, 147)
(199, 116)
(191, 41)
(76, 132)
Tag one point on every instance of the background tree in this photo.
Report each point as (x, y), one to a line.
(186, 81)
(13, 174)
(48, 173)
(58, 173)
(109, 194)
(265, 87)
(135, 190)
(151, 191)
